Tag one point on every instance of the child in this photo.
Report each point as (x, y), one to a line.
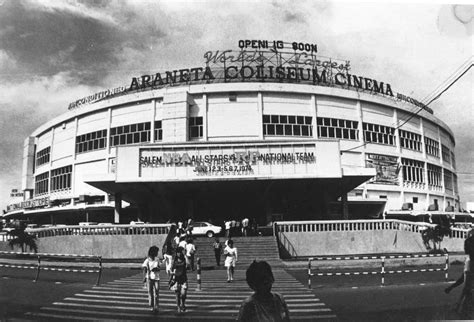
(151, 266)
(180, 279)
(263, 305)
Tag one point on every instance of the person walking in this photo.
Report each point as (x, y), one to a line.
(227, 228)
(151, 265)
(217, 251)
(464, 304)
(231, 258)
(245, 226)
(180, 279)
(190, 251)
(168, 251)
(263, 305)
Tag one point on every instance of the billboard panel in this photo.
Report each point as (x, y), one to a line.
(229, 161)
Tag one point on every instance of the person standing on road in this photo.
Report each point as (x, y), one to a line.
(231, 258)
(151, 265)
(180, 279)
(217, 251)
(263, 305)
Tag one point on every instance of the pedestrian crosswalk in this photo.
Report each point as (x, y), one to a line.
(126, 299)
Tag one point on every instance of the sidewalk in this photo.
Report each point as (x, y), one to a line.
(454, 258)
(298, 264)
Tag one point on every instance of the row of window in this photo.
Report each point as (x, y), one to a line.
(273, 125)
(413, 171)
(445, 154)
(60, 180)
(432, 147)
(434, 175)
(410, 140)
(42, 156)
(91, 141)
(381, 134)
(196, 128)
(130, 134)
(337, 128)
(287, 125)
(41, 183)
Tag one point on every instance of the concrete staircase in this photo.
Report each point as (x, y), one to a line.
(248, 248)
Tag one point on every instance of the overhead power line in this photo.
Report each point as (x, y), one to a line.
(463, 69)
(453, 78)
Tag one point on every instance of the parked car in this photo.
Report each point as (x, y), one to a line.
(205, 228)
(87, 223)
(31, 226)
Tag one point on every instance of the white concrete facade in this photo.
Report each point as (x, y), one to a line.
(234, 112)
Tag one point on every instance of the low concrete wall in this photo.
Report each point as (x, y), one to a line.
(328, 243)
(111, 246)
(107, 246)
(4, 247)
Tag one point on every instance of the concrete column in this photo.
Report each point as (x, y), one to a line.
(205, 117)
(314, 114)
(190, 208)
(397, 133)
(117, 207)
(153, 117)
(345, 206)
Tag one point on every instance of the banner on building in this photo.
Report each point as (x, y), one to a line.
(386, 166)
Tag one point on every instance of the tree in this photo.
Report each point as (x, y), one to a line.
(435, 235)
(23, 239)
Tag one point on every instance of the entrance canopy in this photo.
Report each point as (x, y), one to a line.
(231, 179)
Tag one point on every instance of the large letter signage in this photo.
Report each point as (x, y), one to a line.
(228, 161)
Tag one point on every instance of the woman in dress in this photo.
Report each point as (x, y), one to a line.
(180, 279)
(230, 253)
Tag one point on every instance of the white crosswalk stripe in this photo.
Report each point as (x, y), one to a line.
(126, 299)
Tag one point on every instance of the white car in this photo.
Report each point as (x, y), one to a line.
(205, 228)
(87, 223)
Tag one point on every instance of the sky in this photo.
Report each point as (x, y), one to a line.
(54, 52)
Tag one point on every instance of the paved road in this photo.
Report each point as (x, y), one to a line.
(409, 297)
(125, 298)
(405, 297)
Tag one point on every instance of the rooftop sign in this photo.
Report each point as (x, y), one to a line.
(261, 61)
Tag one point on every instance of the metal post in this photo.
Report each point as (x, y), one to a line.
(309, 272)
(383, 270)
(100, 270)
(446, 268)
(38, 269)
(198, 274)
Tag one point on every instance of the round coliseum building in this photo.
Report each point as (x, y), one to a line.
(271, 131)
